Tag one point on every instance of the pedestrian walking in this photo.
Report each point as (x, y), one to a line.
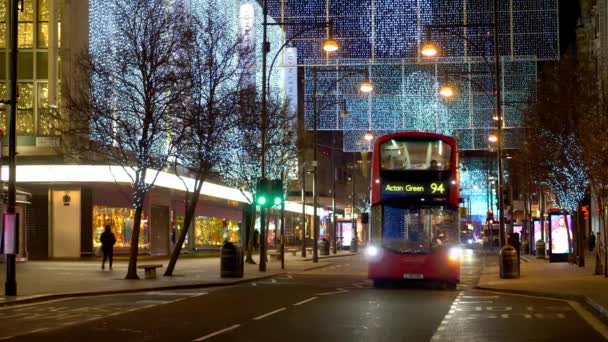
(107, 240)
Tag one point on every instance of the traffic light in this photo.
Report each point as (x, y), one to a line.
(276, 191)
(262, 192)
(269, 192)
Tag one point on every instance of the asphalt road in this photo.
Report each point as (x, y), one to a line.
(336, 303)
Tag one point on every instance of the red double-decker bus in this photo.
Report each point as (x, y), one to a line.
(414, 231)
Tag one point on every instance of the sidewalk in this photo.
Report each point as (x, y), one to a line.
(542, 278)
(42, 280)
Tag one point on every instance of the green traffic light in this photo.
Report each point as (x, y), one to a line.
(277, 200)
(261, 200)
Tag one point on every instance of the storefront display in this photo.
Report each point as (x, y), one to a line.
(121, 220)
(213, 231)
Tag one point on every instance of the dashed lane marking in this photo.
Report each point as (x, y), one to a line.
(268, 314)
(340, 290)
(206, 337)
(305, 301)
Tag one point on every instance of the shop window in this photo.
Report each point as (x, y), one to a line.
(26, 26)
(25, 65)
(213, 231)
(43, 24)
(121, 220)
(42, 65)
(179, 227)
(47, 125)
(3, 109)
(25, 109)
(3, 24)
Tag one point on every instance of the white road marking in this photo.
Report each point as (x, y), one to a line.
(206, 337)
(6, 338)
(273, 280)
(254, 284)
(161, 293)
(340, 290)
(269, 314)
(151, 301)
(598, 325)
(305, 301)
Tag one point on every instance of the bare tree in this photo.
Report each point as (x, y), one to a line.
(212, 108)
(119, 107)
(245, 171)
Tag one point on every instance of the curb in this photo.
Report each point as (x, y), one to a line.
(44, 298)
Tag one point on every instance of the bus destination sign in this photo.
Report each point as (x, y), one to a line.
(400, 188)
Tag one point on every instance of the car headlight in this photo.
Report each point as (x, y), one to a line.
(455, 253)
(372, 251)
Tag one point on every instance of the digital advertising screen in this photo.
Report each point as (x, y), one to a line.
(347, 233)
(559, 233)
(519, 230)
(537, 230)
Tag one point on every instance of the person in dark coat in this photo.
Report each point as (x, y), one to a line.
(107, 240)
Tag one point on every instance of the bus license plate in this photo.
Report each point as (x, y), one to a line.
(413, 276)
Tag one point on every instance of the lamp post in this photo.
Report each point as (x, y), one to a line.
(10, 217)
(365, 87)
(429, 49)
(329, 45)
(355, 240)
(304, 210)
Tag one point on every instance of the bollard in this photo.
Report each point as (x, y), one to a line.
(509, 263)
(540, 249)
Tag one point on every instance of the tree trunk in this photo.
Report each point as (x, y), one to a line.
(132, 270)
(570, 249)
(250, 230)
(605, 238)
(580, 223)
(190, 210)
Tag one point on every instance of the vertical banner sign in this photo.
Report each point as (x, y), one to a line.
(248, 44)
(290, 73)
(290, 77)
(10, 235)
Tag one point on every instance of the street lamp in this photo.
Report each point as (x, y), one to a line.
(329, 45)
(492, 138)
(430, 50)
(368, 137)
(366, 86)
(446, 91)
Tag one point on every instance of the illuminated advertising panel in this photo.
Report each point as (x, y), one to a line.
(518, 230)
(558, 234)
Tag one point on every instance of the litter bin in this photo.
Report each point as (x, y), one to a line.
(540, 249)
(324, 247)
(231, 261)
(509, 263)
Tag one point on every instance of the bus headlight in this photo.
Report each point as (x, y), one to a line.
(374, 253)
(454, 253)
(371, 251)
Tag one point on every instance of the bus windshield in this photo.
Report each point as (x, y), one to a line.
(415, 155)
(418, 230)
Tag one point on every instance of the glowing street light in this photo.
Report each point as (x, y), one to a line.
(330, 44)
(446, 91)
(429, 49)
(368, 136)
(492, 138)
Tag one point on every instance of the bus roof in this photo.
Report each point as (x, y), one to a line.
(415, 134)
